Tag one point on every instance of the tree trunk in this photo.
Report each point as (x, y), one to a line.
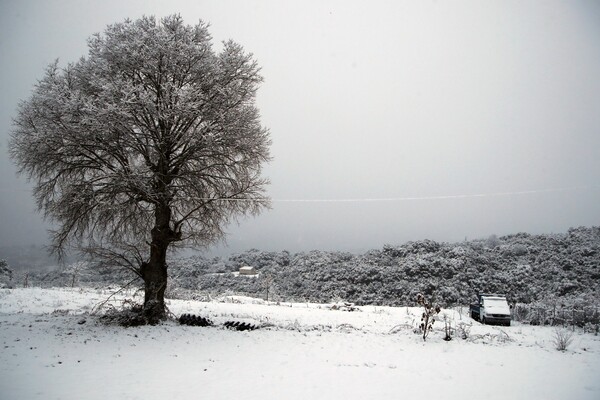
(154, 272)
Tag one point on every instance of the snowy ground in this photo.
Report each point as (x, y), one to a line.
(53, 349)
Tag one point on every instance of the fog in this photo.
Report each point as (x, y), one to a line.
(390, 120)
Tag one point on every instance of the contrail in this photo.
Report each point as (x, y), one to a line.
(410, 198)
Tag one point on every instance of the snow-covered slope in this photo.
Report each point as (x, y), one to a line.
(52, 348)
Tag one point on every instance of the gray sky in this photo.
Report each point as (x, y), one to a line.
(471, 118)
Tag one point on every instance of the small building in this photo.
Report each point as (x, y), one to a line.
(247, 270)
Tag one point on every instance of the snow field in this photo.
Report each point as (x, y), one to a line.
(304, 351)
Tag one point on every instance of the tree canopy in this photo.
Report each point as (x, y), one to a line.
(152, 139)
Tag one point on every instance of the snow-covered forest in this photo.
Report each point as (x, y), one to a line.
(549, 270)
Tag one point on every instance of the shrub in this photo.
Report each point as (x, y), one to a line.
(562, 339)
(464, 330)
(429, 311)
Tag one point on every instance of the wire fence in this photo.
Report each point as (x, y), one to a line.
(584, 317)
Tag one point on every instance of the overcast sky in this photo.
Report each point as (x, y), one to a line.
(455, 119)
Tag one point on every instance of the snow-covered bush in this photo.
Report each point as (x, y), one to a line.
(428, 317)
(6, 276)
(562, 339)
(464, 330)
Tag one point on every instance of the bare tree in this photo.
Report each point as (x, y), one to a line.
(152, 141)
(267, 282)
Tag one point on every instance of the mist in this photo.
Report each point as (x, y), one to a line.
(391, 121)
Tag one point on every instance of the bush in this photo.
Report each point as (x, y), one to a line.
(562, 339)
(429, 311)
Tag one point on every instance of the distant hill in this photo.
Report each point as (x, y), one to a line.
(527, 268)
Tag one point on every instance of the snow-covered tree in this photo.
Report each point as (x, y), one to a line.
(6, 275)
(152, 141)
